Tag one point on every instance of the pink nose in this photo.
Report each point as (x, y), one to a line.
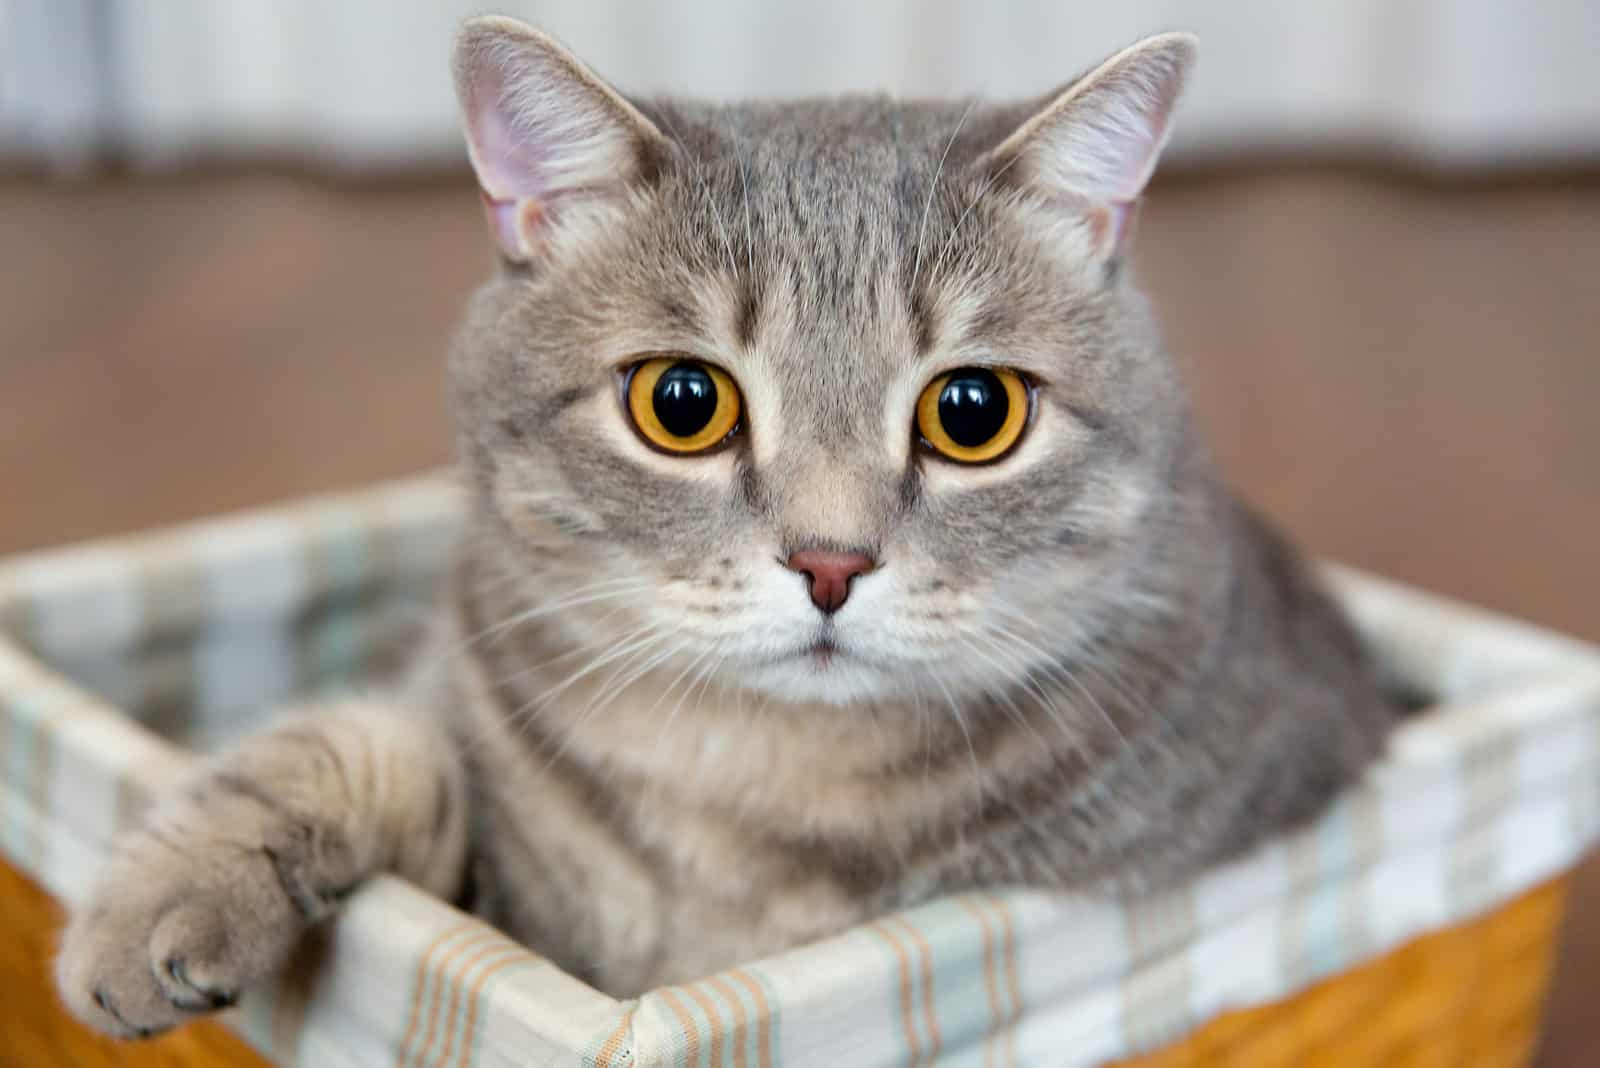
(828, 573)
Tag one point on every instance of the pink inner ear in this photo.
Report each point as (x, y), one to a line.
(1130, 143)
(532, 144)
(507, 163)
(505, 219)
(507, 167)
(1123, 218)
(1109, 224)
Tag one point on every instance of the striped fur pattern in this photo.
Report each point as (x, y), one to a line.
(1084, 665)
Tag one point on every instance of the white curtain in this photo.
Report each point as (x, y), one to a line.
(363, 83)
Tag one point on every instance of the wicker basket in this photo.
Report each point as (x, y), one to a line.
(1413, 924)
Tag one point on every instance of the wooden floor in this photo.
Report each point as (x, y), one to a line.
(36, 1032)
(1404, 375)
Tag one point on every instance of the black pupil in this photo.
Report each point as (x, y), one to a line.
(685, 399)
(973, 406)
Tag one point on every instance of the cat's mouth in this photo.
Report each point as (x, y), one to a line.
(822, 652)
(818, 653)
(822, 655)
(826, 652)
(819, 667)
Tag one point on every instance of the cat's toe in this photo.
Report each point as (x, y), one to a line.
(105, 980)
(192, 995)
(155, 949)
(204, 952)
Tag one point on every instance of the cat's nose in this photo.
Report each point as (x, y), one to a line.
(828, 573)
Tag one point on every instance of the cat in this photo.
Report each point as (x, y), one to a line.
(837, 537)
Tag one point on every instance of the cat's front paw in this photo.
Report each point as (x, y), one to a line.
(192, 911)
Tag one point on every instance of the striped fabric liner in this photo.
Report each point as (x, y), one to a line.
(119, 660)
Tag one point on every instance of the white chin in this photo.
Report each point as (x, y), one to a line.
(839, 681)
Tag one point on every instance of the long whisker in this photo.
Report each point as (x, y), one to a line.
(927, 741)
(1022, 671)
(585, 595)
(1012, 665)
(710, 673)
(596, 665)
(744, 184)
(631, 671)
(703, 675)
(983, 191)
(596, 705)
(961, 722)
(705, 189)
(608, 650)
(933, 187)
(1044, 701)
(661, 736)
(575, 650)
(1059, 671)
(518, 718)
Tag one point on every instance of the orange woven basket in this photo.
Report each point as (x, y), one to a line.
(1467, 995)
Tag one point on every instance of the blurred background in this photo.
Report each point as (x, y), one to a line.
(235, 236)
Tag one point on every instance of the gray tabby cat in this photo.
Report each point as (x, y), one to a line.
(838, 537)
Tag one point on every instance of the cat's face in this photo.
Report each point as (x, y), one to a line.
(692, 401)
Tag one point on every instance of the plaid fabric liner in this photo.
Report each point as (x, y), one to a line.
(118, 660)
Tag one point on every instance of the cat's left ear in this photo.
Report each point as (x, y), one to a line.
(545, 133)
(1095, 143)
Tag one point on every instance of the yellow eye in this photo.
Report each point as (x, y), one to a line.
(682, 406)
(973, 414)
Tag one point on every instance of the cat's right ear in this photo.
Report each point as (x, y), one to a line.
(544, 132)
(1094, 144)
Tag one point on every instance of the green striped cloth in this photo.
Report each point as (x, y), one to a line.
(119, 660)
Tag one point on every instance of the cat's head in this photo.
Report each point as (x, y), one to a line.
(834, 400)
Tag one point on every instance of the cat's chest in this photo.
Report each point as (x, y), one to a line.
(663, 896)
(643, 846)
(712, 777)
